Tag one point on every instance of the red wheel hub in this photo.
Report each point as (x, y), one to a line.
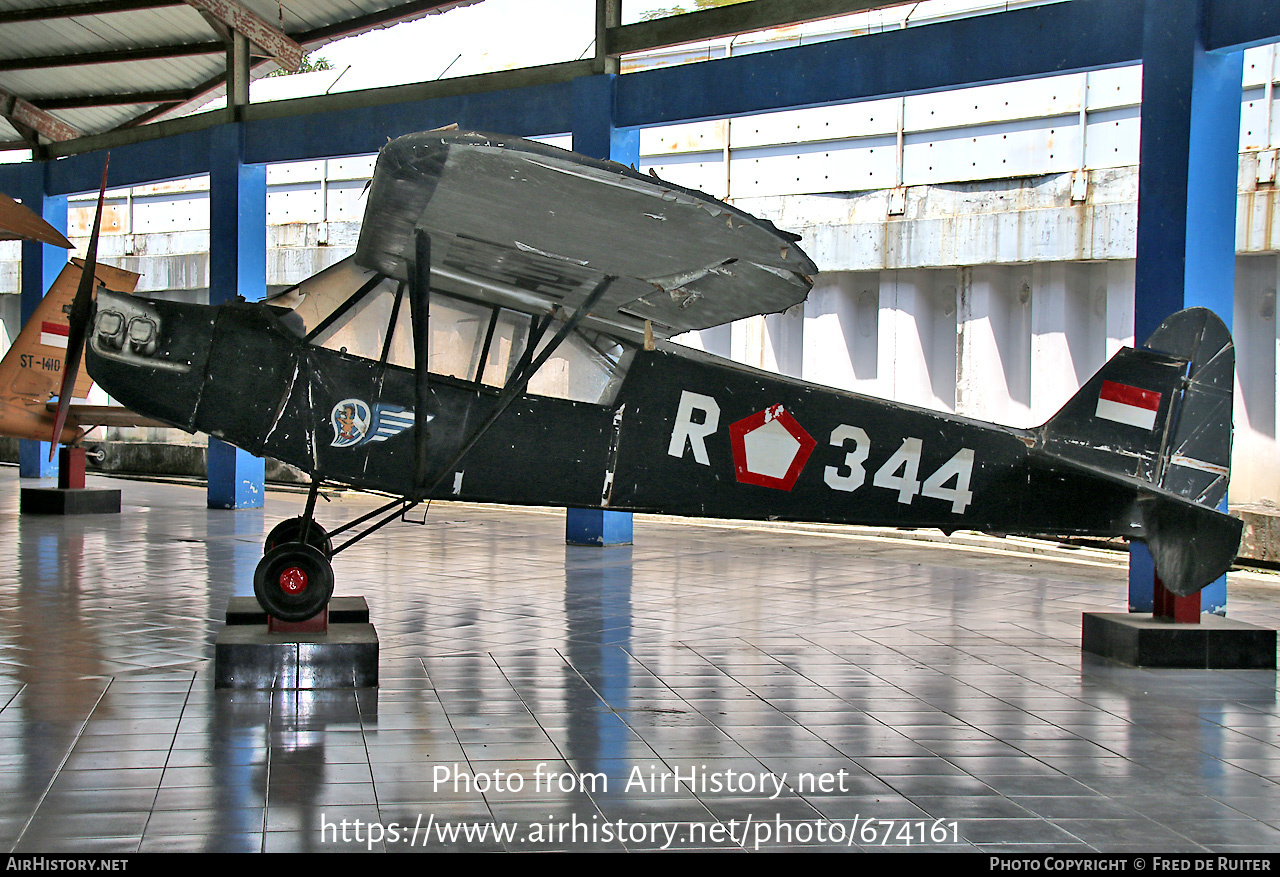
(293, 580)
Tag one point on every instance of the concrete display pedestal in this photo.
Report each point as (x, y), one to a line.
(70, 497)
(1215, 643)
(249, 655)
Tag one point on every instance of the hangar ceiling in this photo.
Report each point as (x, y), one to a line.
(71, 69)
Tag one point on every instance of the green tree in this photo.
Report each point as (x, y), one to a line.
(665, 11)
(310, 64)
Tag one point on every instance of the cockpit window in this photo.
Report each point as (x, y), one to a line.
(587, 367)
(315, 298)
(457, 333)
(360, 313)
(361, 329)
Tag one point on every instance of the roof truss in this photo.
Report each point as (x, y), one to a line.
(235, 17)
(32, 122)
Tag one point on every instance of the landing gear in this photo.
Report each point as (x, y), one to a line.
(293, 581)
(290, 529)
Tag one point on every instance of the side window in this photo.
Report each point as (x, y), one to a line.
(361, 329)
(457, 336)
(353, 311)
(587, 367)
(510, 333)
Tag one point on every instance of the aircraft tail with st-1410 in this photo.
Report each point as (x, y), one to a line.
(31, 372)
(499, 336)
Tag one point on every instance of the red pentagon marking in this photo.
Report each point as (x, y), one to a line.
(770, 448)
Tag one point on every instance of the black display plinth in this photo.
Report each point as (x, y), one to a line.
(1215, 643)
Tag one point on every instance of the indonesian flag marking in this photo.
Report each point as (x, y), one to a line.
(1130, 405)
(53, 335)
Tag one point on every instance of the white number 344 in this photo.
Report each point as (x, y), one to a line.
(901, 471)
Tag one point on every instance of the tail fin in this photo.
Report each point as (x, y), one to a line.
(32, 368)
(1159, 419)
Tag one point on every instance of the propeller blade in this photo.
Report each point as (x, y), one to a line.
(81, 307)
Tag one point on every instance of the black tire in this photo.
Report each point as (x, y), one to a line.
(293, 582)
(290, 529)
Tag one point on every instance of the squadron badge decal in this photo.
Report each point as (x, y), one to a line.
(355, 424)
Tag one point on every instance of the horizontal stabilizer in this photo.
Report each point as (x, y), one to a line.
(1190, 544)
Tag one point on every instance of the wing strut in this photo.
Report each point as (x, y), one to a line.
(419, 310)
(514, 387)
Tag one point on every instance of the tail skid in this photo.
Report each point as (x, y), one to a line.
(1159, 420)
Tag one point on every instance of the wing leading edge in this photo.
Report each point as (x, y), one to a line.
(530, 226)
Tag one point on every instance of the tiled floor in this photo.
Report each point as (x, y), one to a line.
(944, 688)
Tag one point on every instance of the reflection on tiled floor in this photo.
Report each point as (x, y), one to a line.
(833, 688)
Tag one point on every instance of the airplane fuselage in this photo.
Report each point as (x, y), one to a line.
(685, 433)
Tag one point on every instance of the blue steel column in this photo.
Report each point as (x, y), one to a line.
(1188, 159)
(595, 135)
(40, 266)
(237, 266)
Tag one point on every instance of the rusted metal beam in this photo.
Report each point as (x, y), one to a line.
(384, 17)
(24, 115)
(76, 10)
(317, 35)
(262, 33)
(111, 56)
(80, 101)
(725, 21)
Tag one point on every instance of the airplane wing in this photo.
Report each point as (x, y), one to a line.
(89, 416)
(532, 227)
(22, 223)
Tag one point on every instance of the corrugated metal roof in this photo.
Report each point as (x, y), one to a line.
(98, 66)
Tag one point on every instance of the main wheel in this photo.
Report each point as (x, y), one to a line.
(290, 529)
(293, 582)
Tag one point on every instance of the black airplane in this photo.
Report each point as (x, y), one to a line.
(499, 336)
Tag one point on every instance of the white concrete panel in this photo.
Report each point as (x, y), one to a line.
(1009, 149)
(1052, 368)
(1111, 139)
(993, 380)
(1258, 65)
(689, 137)
(865, 119)
(985, 104)
(1254, 120)
(354, 167)
(1120, 285)
(1068, 325)
(295, 202)
(1116, 87)
(841, 328)
(346, 200)
(1257, 216)
(295, 172)
(169, 212)
(847, 165)
(783, 337)
(1256, 456)
(917, 337)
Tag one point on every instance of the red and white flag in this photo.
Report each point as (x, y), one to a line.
(1125, 404)
(53, 335)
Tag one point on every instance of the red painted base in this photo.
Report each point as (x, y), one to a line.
(1171, 607)
(318, 623)
(70, 468)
